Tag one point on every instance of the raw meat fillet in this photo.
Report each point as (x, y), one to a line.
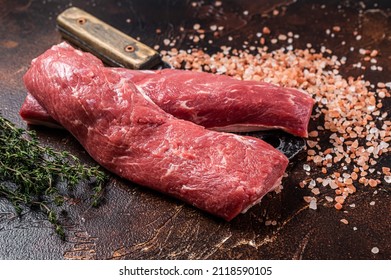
(217, 102)
(223, 103)
(33, 113)
(123, 130)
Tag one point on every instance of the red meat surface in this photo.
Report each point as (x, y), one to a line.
(217, 102)
(127, 133)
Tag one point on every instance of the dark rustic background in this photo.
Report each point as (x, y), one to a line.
(135, 223)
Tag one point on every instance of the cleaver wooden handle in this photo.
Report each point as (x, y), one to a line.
(112, 46)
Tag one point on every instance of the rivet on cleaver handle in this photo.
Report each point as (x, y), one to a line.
(109, 44)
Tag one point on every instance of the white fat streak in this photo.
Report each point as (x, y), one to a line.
(119, 98)
(291, 99)
(186, 187)
(141, 90)
(68, 71)
(206, 92)
(119, 90)
(223, 160)
(148, 71)
(78, 122)
(171, 168)
(244, 140)
(261, 85)
(91, 101)
(189, 82)
(195, 118)
(183, 105)
(229, 100)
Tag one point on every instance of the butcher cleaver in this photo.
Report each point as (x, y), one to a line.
(112, 46)
(118, 49)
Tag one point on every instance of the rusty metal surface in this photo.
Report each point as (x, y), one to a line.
(135, 223)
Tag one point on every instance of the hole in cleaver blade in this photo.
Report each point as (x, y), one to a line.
(286, 143)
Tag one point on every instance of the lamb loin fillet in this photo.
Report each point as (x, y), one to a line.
(217, 102)
(33, 113)
(222, 103)
(124, 131)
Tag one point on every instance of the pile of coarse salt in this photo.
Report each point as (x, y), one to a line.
(347, 113)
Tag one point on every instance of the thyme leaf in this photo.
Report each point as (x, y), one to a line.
(30, 174)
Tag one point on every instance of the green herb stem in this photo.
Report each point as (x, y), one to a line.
(30, 174)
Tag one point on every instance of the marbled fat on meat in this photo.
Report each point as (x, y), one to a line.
(217, 102)
(124, 131)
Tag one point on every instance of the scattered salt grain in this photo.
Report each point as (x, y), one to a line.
(306, 167)
(166, 42)
(315, 191)
(336, 28)
(282, 37)
(266, 30)
(218, 3)
(375, 250)
(348, 108)
(313, 204)
(333, 185)
(340, 199)
(329, 198)
(344, 221)
(338, 206)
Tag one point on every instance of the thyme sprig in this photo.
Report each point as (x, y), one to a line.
(31, 174)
